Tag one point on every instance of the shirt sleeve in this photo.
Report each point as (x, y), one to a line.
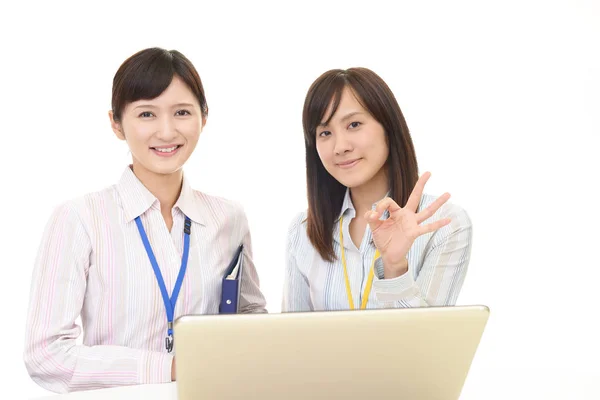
(296, 291)
(252, 299)
(443, 271)
(58, 289)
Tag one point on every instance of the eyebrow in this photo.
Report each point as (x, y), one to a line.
(344, 118)
(174, 106)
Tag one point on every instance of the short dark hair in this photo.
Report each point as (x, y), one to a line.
(147, 73)
(325, 193)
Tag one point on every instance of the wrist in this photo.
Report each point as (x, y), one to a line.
(393, 270)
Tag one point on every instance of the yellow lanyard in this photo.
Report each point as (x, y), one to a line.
(365, 297)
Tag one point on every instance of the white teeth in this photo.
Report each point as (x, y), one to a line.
(167, 150)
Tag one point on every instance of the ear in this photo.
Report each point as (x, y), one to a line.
(116, 126)
(203, 123)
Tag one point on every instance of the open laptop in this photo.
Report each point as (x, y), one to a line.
(413, 354)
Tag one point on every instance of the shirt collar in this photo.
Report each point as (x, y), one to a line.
(348, 209)
(137, 199)
(189, 203)
(347, 206)
(348, 212)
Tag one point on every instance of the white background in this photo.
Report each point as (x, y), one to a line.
(502, 99)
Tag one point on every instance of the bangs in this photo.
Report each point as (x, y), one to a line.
(148, 80)
(148, 73)
(327, 90)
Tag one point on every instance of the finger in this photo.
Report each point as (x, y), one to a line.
(373, 220)
(434, 226)
(415, 196)
(387, 204)
(432, 208)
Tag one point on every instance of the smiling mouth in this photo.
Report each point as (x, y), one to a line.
(166, 150)
(349, 163)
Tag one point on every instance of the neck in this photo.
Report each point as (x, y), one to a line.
(364, 196)
(165, 187)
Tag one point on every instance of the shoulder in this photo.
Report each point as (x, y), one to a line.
(298, 223)
(297, 242)
(84, 205)
(79, 213)
(458, 215)
(460, 225)
(296, 233)
(217, 208)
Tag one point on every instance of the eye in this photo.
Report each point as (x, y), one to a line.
(183, 112)
(324, 134)
(146, 114)
(354, 124)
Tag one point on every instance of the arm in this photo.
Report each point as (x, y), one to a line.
(296, 292)
(441, 276)
(58, 289)
(251, 298)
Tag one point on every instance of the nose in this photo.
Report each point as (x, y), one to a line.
(167, 129)
(342, 144)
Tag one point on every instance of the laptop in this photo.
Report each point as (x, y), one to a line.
(413, 354)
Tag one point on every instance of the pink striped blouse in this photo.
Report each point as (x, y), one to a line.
(92, 264)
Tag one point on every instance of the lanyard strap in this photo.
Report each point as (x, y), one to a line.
(169, 302)
(365, 297)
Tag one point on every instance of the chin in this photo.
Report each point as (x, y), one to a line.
(351, 182)
(164, 169)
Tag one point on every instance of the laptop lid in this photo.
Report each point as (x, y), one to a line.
(416, 354)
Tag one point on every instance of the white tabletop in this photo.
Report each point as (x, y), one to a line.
(167, 391)
(488, 384)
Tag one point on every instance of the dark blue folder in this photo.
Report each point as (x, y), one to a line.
(230, 290)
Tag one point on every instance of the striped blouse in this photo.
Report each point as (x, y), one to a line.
(437, 265)
(92, 264)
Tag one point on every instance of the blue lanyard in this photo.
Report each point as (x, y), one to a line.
(169, 302)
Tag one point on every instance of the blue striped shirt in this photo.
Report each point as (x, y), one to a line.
(437, 265)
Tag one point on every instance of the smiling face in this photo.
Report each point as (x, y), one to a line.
(161, 132)
(371, 151)
(352, 146)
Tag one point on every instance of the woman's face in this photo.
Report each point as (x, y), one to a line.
(162, 132)
(353, 146)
